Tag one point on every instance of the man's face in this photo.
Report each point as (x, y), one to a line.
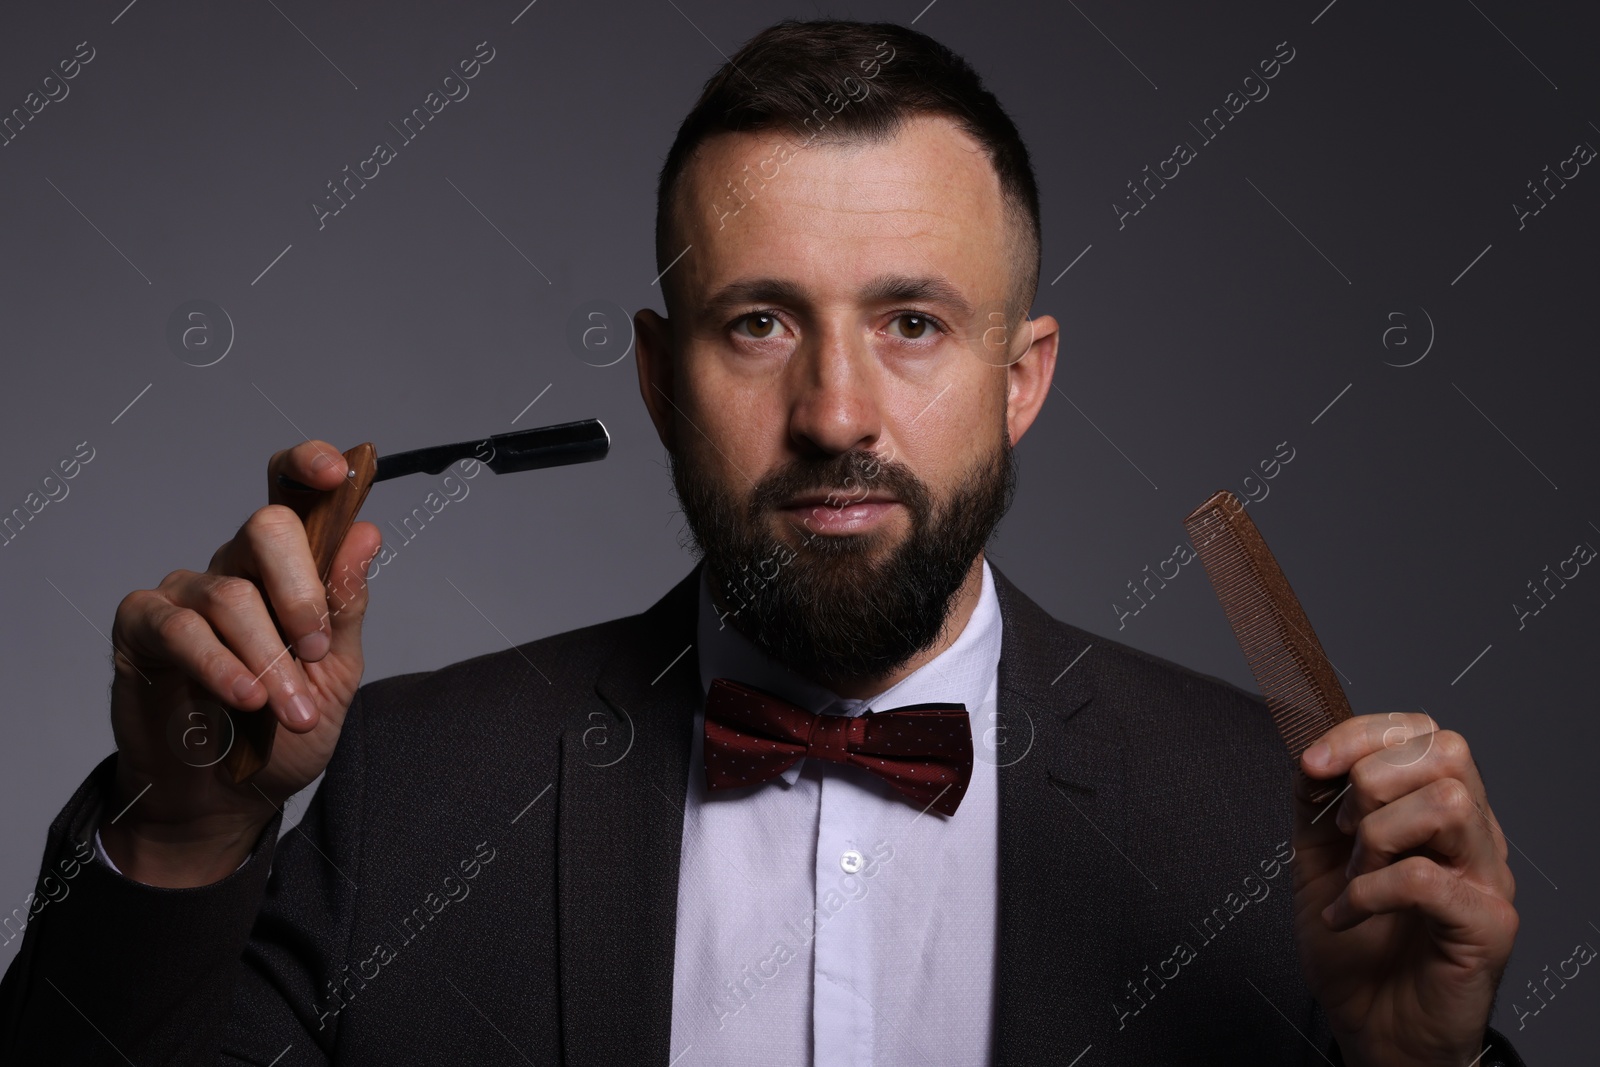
(838, 387)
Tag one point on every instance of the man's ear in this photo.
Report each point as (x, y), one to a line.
(654, 357)
(1028, 378)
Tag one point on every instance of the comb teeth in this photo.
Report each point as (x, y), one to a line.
(1296, 678)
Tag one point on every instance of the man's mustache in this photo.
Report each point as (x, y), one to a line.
(839, 481)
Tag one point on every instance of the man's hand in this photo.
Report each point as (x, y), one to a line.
(1403, 898)
(203, 640)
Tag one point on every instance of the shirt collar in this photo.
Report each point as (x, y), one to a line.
(962, 673)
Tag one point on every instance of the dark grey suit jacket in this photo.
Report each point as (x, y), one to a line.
(488, 874)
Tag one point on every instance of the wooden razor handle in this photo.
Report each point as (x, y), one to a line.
(328, 516)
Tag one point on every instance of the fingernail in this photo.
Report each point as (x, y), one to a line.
(323, 461)
(313, 645)
(1318, 755)
(244, 687)
(300, 709)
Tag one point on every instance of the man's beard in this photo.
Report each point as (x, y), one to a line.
(839, 606)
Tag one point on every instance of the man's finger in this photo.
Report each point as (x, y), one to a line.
(276, 551)
(315, 463)
(1417, 883)
(1385, 776)
(231, 608)
(152, 628)
(1441, 817)
(1363, 735)
(347, 587)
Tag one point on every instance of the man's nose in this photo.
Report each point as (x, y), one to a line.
(834, 402)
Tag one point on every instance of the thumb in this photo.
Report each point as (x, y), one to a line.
(347, 588)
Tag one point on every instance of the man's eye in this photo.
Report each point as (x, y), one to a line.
(914, 327)
(759, 325)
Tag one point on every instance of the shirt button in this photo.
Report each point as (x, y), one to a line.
(850, 861)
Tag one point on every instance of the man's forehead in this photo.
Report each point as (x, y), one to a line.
(924, 203)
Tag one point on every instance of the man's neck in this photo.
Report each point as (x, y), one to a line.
(961, 609)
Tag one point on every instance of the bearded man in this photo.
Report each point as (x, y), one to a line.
(860, 800)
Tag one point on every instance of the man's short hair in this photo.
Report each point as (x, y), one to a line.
(879, 74)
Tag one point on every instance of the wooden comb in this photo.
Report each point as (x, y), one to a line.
(1296, 678)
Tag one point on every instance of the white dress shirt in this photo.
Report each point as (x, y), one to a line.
(822, 918)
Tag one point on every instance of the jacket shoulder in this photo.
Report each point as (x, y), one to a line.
(535, 676)
(1173, 696)
(1115, 663)
(1188, 715)
(1164, 712)
(522, 677)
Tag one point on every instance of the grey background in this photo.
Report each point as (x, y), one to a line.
(1225, 318)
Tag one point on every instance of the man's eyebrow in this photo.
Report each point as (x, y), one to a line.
(885, 288)
(753, 291)
(898, 288)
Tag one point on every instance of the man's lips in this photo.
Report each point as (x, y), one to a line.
(836, 499)
(839, 514)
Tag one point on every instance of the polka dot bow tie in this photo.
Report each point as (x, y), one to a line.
(922, 750)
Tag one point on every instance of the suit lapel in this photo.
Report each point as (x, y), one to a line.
(622, 783)
(1061, 831)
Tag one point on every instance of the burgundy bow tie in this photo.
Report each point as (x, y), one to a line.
(922, 750)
